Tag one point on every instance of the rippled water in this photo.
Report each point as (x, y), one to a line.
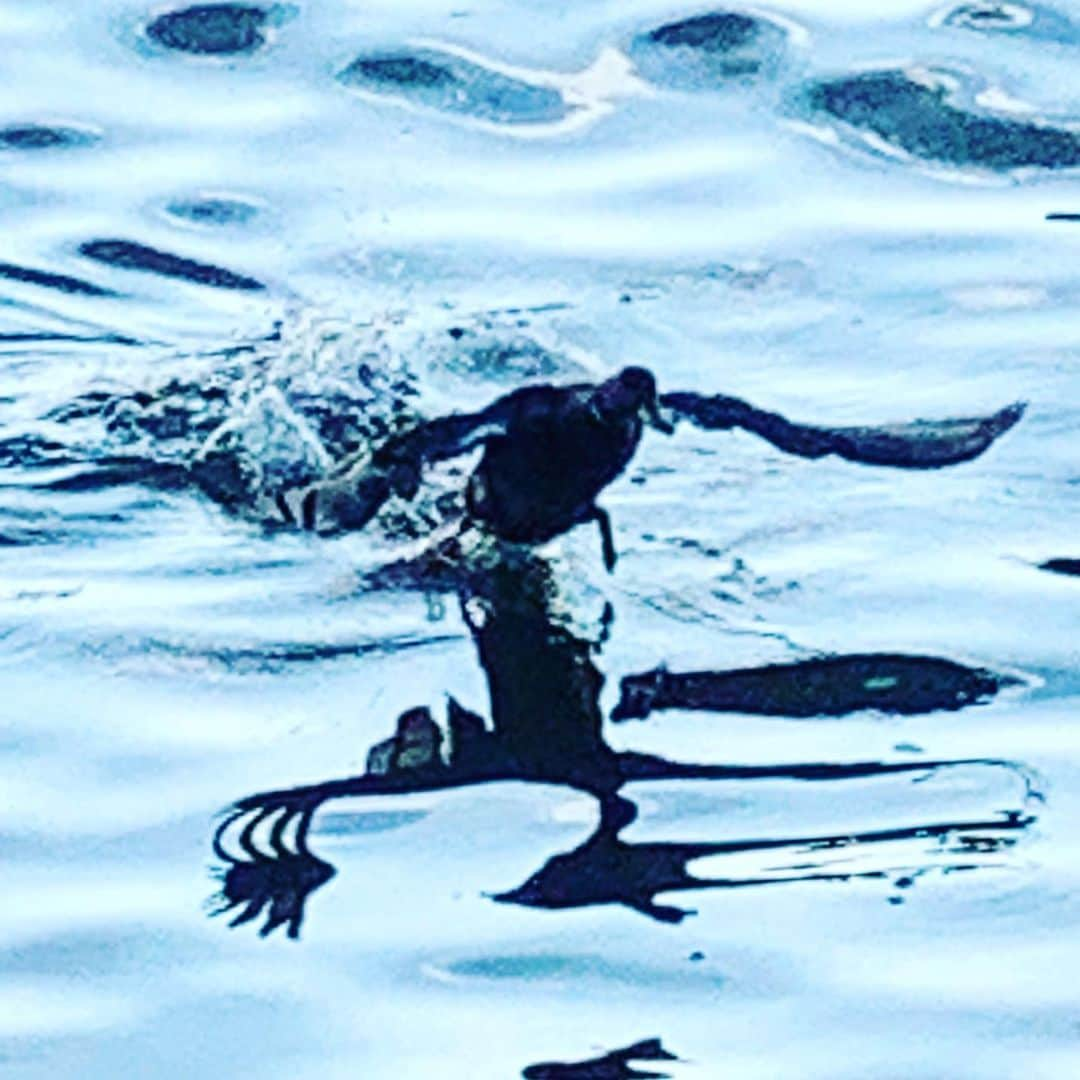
(245, 242)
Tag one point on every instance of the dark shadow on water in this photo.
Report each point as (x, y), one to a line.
(453, 84)
(210, 29)
(718, 31)
(48, 280)
(213, 211)
(614, 1065)
(128, 255)
(709, 50)
(399, 70)
(546, 727)
(607, 870)
(829, 686)
(44, 337)
(43, 137)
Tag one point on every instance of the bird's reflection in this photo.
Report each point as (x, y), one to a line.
(546, 726)
(614, 1065)
(276, 880)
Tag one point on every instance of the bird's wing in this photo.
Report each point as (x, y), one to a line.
(442, 438)
(920, 444)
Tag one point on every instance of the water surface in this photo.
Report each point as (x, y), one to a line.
(245, 241)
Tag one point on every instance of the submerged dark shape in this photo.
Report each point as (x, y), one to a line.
(546, 727)
(42, 137)
(614, 1065)
(400, 69)
(213, 210)
(1062, 566)
(128, 255)
(718, 31)
(210, 29)
(453, 84)
(48, 280)
(830, 686)
(915, 111)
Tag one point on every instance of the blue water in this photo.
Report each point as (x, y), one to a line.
(226, 233)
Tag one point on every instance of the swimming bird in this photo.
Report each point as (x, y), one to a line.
(549, 451)
(560, 449)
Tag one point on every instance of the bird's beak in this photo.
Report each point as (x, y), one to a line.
(651, 414)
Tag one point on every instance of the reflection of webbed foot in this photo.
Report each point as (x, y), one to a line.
(274, 879)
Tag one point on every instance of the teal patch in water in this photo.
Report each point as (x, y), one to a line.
(918, 113)
(210, 29)
(881, 683)
(452, 84)
(710, 49)
(43, 137)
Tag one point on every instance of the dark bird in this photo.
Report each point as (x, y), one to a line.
(550, 450)
(562, 447)
(548, 453)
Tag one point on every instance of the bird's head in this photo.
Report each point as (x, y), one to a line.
(632, 393)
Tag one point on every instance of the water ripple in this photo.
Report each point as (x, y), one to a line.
(455, 84)
(44, 137)
(922, 112)
(710, 49)
(211, 29)
(128, 255)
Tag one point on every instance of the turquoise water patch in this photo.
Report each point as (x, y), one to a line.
(451, 83)
(919, 112)
(710, 50)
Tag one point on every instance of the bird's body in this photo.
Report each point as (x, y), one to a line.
(548, 453)
(543, 475)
